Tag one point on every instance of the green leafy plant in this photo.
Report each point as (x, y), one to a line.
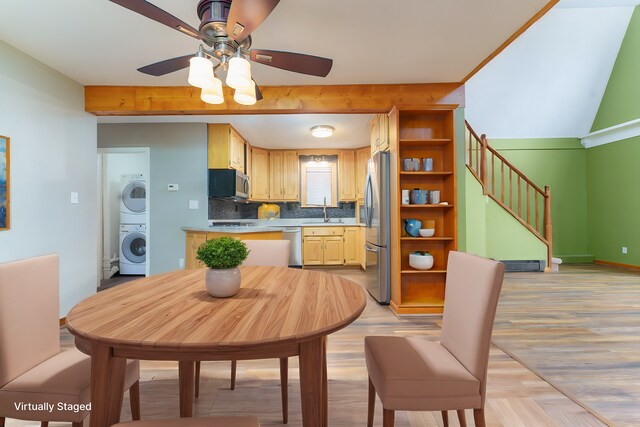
(224, 252)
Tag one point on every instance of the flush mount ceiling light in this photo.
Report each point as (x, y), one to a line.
(322, 131)
(225, 31)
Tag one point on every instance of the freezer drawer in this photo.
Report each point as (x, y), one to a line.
(377, 274)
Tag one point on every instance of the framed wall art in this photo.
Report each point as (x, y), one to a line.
(5, 187)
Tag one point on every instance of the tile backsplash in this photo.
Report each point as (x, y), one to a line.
(228, 209)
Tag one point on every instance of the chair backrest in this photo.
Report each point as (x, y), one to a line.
(268, 252)
(29, 310)
(471, 296)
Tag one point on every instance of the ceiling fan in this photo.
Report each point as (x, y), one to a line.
(225, 30)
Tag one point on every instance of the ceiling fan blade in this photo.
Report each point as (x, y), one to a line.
(246, 15)
(296, 62)
(151, 11)
(258, 91)
(167, 66)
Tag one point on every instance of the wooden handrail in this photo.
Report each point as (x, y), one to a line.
(478, 152)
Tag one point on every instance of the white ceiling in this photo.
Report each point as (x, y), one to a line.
(550, 81)
(278, 131)
(597, 3)
(96, 42)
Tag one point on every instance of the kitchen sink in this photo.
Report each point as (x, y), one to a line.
(337, 221)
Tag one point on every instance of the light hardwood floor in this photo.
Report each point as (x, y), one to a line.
(516, 396)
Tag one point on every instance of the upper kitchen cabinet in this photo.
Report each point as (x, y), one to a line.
(362, 157)
(225, 147)
(259, 177)
(379, 133)
(284, 176)
(346, 176)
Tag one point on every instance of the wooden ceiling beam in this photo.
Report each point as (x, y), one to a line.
(339, 99)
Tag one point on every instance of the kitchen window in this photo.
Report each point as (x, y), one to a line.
(319, 181)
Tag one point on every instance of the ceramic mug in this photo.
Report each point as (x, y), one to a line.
(405, 197)
(407, 165)
(427, 164)
(418, 197)
(434, 197)
(416, 164)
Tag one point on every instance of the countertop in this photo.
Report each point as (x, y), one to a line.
(266, 225)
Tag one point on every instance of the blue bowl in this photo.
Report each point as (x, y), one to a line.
(413, 227)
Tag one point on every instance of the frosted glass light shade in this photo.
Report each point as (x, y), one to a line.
(213, 94)
(239, 74)
(322, 131)
(200, 72)
(246, 96)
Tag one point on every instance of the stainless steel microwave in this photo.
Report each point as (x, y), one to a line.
(228, 183)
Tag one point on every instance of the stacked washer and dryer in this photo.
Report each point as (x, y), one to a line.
(133, 225)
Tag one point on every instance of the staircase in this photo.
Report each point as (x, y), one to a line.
(514, 192)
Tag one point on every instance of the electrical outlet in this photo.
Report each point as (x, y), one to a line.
(181, 263)
(624, 249)
(193, 204)
(173, 187)
(74, 198)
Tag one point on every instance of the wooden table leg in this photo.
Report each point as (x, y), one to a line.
(107, 383)
(186, 372)
(313, 383)
(325, 388)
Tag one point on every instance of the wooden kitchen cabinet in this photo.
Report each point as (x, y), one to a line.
(194, 240)
(283, 176)
(333, 250)
(225, 147)
(347, 176)
(352, 247)
(379, 133)
(312, 250)
(259, 178)
(362, 158)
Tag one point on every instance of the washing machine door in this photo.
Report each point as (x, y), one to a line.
(134, 195)
(134, 247)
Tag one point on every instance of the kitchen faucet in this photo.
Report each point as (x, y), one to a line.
(324, 210)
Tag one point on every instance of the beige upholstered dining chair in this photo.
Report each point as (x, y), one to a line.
(195, 422)
(412, 374)
(272, 253)
(33, 370)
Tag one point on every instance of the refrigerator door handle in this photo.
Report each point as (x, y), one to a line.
(368, 200)
(370, 249)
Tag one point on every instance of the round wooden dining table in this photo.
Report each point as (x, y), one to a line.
(278, 312)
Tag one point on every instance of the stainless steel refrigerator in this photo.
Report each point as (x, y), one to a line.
(376, 220)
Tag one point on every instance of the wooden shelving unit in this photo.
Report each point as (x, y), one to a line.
(422, 134)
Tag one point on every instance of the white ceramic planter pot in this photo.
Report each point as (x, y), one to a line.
(421, 262)
(223, 283)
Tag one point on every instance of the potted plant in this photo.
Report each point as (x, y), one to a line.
(222, 256)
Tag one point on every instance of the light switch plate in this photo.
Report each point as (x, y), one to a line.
(74, 198)
(193, 204)
(173, 187)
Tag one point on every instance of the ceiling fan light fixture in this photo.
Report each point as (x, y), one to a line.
(246, 96)
(213, 94)
(239, 74)
(200, 72)
(322, 131)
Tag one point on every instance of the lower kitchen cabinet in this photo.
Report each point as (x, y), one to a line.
(331, 246)
(196, 238)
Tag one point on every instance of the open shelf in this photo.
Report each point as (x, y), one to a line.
(423, 271)
(420, 173)
(426, 206)
(425, 142)
(426, 239)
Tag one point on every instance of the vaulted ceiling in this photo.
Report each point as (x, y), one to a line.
(97, 42)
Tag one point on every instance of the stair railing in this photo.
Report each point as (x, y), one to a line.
(524, 200)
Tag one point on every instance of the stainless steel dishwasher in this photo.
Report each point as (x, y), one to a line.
(294, 235)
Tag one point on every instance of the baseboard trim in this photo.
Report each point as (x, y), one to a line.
(576, 259)
(63, 321)
(617, 264)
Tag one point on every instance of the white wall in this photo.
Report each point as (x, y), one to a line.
(549, 82)
(178, 155)
(53, 152)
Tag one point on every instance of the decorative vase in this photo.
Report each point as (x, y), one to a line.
(421, 260)
(222, 283)
(412, 226)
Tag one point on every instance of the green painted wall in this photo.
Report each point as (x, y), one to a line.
(492, 232)
(613, 183)
(560, 163)
(621, 100)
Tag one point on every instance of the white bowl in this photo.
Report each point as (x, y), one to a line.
(421, 262)
(427, 232)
